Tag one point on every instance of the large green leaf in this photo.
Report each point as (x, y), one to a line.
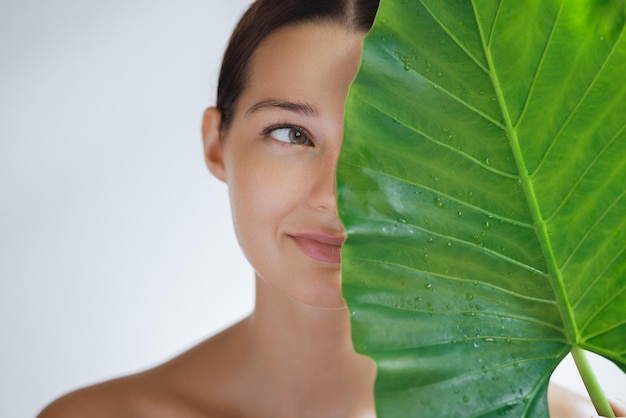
(482, 183)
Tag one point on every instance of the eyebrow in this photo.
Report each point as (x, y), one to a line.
(271, 104)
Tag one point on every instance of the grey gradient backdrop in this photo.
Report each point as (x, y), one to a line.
(116, 246)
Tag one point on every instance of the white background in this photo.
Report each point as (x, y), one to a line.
(116, 247)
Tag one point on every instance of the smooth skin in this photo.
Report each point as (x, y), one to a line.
(293, 356)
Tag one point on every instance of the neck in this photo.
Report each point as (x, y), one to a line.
(307, 352)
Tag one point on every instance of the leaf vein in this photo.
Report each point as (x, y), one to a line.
(583, 174)
(595, 315)
(462, 280)
(493, 24)
(537, 71)
(578, 104)
(538, 384)
(590, 229)
(606, 330)
(597, 278)
(507, 259)
(449, 197)
(480, 372)
(447, 92)
(409, 348)
(455, 39)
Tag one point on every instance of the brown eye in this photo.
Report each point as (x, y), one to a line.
(290, 135)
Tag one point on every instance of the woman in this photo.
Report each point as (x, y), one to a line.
(274, 138)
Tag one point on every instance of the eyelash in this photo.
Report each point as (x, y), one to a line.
(268, 131)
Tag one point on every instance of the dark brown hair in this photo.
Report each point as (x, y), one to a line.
(264, 17)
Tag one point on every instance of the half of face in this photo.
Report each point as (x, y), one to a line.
(279, 158)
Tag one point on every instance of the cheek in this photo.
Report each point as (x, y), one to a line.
(261, 195)
(263, 205)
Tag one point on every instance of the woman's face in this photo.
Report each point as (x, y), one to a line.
(279, 157)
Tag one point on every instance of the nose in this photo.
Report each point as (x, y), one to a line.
(323, 194)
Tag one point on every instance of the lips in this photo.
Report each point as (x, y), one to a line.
(319, 246)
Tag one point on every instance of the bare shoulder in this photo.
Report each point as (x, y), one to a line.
(113, 398)
(197, 383)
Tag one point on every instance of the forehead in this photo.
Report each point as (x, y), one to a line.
(308, 62)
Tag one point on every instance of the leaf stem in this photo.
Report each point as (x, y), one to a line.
(591, 383)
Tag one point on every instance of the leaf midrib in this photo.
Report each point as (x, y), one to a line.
(540, 226)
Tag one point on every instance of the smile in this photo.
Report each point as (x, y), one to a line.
(319, 246)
